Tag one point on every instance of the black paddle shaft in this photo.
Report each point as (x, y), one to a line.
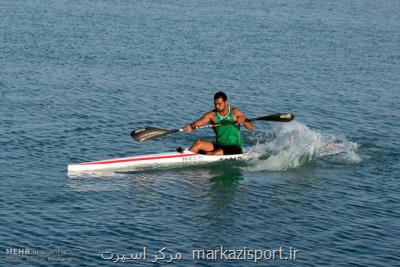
(151, 133)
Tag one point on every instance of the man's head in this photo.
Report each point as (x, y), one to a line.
(220, 101)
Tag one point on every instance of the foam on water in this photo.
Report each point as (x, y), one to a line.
(292, 145)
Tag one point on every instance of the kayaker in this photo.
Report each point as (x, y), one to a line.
(228, 138)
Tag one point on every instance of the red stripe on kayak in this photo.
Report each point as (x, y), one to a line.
(136, 159)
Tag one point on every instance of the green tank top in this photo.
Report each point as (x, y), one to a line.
(228, 134)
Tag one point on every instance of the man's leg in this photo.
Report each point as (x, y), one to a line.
(216, 152)
(205, 146)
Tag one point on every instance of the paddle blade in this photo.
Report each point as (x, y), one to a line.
(282, 117)
(145, 134)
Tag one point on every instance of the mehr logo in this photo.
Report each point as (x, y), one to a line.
(18, 251)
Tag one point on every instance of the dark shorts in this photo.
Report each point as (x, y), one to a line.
(228, 149)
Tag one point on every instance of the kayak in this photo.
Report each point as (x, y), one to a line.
(143, 161)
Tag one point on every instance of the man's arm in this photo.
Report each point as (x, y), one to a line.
(200, 122)
(241, 119)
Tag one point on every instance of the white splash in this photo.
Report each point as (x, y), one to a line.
(293, 144)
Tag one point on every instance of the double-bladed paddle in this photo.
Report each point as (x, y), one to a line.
(149, 133)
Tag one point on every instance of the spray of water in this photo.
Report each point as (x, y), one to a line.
(292, 145)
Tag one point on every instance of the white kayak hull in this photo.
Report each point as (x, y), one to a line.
(139, 162)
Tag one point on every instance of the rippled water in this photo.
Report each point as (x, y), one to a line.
(78, 76)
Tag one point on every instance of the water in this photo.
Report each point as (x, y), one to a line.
(78, 76)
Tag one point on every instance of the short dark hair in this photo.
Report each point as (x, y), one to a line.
(220, 94)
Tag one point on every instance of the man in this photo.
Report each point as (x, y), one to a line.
(228, 138)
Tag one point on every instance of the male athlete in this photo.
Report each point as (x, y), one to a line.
(228, 138)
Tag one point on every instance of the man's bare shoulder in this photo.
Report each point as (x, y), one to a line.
(236, 111)
(210, 114)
